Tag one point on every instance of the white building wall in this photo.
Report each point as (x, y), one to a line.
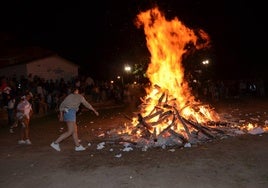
(53, 67)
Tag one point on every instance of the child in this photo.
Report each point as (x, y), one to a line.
(24, 112)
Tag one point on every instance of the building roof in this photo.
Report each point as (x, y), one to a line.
(11, 56)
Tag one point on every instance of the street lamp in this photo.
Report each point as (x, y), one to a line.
(121, 78)
(205, 62)
(206, 73)
(127, 70)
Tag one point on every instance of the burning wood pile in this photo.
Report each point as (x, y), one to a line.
(166, 124)
(166, 112)
(169, 113)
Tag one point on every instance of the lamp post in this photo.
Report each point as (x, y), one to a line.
(127, 69)
(121, 78)
(205, 70)
(205, 62)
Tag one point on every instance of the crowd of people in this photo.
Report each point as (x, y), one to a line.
(229, 89)
(45, 96)
(34, 95)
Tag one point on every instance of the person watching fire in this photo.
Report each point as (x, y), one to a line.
(68, 109)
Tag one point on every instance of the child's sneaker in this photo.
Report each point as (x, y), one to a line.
(79, 148)
(21, 142)
(55, 146)
(28, 142)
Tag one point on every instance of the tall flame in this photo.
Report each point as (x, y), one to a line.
(170, 114)
(166, 41)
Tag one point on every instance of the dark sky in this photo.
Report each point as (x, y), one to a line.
(102, 35)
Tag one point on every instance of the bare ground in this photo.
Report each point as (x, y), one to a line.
(240, 161)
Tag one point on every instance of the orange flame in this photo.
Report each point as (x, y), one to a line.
(166, 41)
(169, 106)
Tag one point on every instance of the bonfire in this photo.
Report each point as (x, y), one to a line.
(169, 113)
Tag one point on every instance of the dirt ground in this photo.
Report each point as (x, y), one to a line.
(240, 161)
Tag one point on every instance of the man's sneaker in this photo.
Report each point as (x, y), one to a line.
(11, 130)
(21, 142)
(28, 142)
(55, 146)
(79, 148)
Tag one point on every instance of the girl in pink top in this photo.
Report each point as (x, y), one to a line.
(24, 112)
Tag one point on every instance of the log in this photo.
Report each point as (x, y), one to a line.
(144, 132)
(161, 98)
(202, 129)
(159, 112)
(183, 123)
(178, 135)
(141, 121)
(162, 118)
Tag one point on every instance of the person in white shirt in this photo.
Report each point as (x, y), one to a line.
(68, 109)
(23, 114)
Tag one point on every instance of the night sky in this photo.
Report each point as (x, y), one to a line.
(101, 35)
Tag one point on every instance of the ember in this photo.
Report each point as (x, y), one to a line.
(170, 114)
